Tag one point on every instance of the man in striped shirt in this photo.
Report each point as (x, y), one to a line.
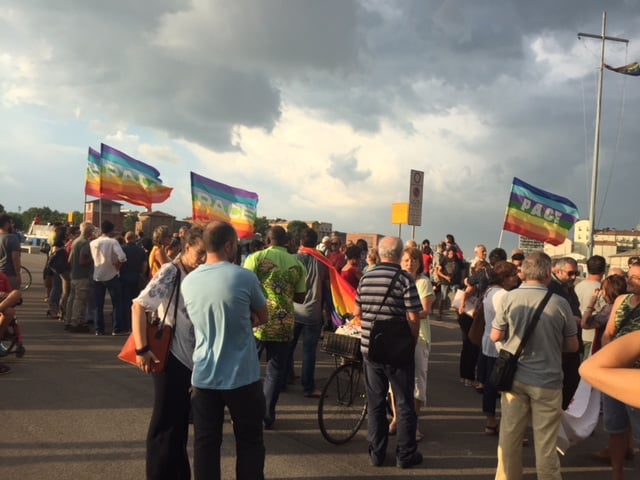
(402, 301)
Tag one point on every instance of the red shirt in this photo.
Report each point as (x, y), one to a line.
(427, 259)
(5, 285)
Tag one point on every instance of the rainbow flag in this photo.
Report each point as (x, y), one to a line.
(537, 214)
(94, 166)
(631, 69)
(125, 178)
(342, 298)
(213, 200)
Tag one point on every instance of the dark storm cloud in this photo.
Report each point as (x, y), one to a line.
(345, 168)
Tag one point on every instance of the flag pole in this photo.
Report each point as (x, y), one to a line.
(596, 140)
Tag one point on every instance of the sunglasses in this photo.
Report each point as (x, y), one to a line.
(571, 273)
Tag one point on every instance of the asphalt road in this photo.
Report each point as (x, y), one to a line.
(71, 410)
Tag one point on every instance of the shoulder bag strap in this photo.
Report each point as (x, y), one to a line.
(386, 295)
(532, 323)
(175, 291)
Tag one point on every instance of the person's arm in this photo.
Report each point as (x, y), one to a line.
(260, 316)
(146, 359)
(609, 370)
(414, 324)
(15, 257)
(496, 335)
(427, 306)
(570, 344)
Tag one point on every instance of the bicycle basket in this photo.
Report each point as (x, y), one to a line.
(343, 345)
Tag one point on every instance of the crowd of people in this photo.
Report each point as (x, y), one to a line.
(229, 305)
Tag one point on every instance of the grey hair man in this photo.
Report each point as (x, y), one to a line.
(378, 299)
(536, 395)
(81, 269)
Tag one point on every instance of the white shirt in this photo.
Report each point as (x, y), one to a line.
(106, 253)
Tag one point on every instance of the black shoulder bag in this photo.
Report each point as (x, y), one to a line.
(506, 364)
(391, 341)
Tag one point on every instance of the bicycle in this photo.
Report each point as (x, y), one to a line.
(343, 403)
(25, 278)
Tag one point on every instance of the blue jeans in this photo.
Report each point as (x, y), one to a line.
(114, 286)
(56, 291)
(310, 337)
(277, 355)
(246, 406)
(489, 392)
(377, 379)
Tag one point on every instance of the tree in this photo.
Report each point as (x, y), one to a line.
(130, 221)
(261, 226)
(295, 229)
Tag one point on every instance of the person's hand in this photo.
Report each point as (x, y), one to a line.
(147, 362)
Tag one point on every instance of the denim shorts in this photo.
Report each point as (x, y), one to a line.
(618, 417)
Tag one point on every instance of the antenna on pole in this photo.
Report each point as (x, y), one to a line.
(596, 141)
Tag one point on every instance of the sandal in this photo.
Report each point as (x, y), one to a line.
(4, 369)
(491, 430)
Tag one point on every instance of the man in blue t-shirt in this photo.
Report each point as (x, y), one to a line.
(225, 302)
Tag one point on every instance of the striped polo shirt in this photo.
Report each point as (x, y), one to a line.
(403, 297)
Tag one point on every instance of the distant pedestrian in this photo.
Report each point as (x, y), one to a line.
(9, 251)
(81, 271)
(132, 273)
(107, 257)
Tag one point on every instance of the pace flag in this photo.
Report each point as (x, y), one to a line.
(213, 200)
(631, 69)
(94, 166)
(537, 214)
(341, 298)
(125, 178)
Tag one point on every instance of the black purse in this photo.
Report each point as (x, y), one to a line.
(506, 364)
(391, 341)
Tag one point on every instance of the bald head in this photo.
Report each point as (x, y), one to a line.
(390, 249)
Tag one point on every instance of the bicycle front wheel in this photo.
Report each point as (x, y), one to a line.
(25, 280)
(343, 404)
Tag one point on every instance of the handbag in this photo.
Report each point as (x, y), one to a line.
(506, 364)
(159, 335)
(476, 332)
(470, 302)
(391, 341)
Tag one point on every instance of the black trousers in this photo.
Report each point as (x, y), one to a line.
(247, 406)
(167, 457)
(571, 379)
(469, 353)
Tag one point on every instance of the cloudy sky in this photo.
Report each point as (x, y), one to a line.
(324, 107)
